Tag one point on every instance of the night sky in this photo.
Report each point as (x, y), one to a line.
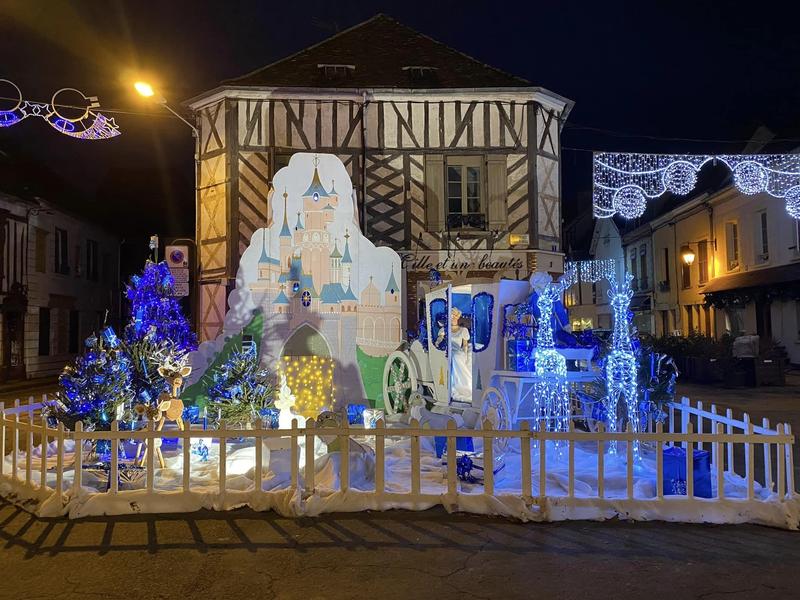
(639, 72)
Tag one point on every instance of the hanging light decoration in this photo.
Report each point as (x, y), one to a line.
(623, 182)
(793, 202)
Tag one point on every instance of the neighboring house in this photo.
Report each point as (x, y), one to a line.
(59, 275)
(745, 274)
(588, 303)
(455, 164)
(637, 249)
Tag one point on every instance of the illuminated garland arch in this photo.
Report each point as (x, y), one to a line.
(624, 182)
(90, 125)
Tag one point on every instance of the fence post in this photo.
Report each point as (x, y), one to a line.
(414, 458)
(76, 479)
(525, 449)
(42, 457)
(768, 457)
(789, 458)
(629, 459)
(488, 459)
(150, 448)
(113, 476)
(601, 457)
(779, 458)
(3, 437)
(295, 453)
(659, 462)
(749, 450)
(689, 463)
(729, 444)
(222, 436)
(258, 441)
(344, 456)
(15, 441)
(571, 460)
(60, 460)
(720, 467)
(542, 434)
(451, 459)
(309, 473)
(186, 449)
(684, 418)
(380, 461)
(713, 429)
(699, 423)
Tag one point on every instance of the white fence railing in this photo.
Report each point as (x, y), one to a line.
(689, 427)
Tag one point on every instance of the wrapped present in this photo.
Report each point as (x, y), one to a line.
(463, 444)
(355, 413)
(519, 354)
(470, 466)
(271, 416)
(675, 472)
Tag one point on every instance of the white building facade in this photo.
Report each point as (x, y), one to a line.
(59, 276)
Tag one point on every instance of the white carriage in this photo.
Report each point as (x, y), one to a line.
(423, 372)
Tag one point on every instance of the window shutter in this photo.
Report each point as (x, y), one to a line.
(434, 192)
(498, 189)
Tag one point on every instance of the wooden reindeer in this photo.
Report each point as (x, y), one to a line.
(170, 407)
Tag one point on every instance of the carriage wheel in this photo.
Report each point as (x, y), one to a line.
(495, 408)
(399, 382)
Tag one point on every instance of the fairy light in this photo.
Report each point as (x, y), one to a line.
(623, 182)
(589, 271)
(551, 392)
(621, 366)
(310, 380)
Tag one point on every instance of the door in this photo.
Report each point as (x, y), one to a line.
(438, 315)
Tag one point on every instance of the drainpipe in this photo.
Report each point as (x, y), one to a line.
(678, 280)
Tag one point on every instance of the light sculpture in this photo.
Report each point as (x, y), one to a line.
(621, 367)
(551, 392)
(624, 182)
(89, 125)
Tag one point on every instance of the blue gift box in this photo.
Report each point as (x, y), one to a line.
(270, 415)
(463, 444)
(355, 414)
(675, 472)
(518, 354)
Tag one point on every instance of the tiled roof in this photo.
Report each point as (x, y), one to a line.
(384, 54)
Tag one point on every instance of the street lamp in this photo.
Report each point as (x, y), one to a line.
(687, 254)
(146, 90)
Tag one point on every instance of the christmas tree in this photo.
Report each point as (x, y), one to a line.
(157, 331)
(96, 386)
(241, 388)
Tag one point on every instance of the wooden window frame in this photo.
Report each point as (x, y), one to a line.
(735, 263)
(464, 163)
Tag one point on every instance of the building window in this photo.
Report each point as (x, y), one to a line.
(77, 260)
(464, 193)
(702, 262)
(762, 238)
(44, 331)
(732, 245)
(689, 319)
(62, 252)
(41, 251)
(634, 283)
(92, 270)
(664, 322)
(686, 275)
(643, 283)
(74, 328)
(305, 298)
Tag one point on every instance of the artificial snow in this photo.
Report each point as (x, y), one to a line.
(277, 494)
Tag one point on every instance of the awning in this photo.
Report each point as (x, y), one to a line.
(640, 302)
(755, 278)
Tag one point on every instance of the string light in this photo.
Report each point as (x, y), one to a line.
(623, 182)
(310, 380)
(551, 393)
(793, 202)
(589, 271)
(621, 364)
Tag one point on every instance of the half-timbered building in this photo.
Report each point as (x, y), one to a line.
(455, 163)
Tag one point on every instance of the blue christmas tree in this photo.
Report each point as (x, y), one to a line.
(157, 331)
(96, 386)
(240, 388)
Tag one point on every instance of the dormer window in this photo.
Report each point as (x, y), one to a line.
(336, 71)
(421, 73)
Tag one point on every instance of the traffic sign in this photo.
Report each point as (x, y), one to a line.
(181, 289)
(180, 275)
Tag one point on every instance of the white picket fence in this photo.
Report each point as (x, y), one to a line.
(690, 426)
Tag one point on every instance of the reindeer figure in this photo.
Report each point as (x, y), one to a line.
(170, 407)
(551, 391)
(621, 371)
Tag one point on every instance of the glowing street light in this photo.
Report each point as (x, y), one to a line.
(144, 89)
(687, 254)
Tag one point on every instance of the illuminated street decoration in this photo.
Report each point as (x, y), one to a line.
(551, 392)
(621, 368)
(89, 125)
(589, 271)
(624, 182)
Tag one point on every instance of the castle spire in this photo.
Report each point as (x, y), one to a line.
(285, 229)
(346, 256)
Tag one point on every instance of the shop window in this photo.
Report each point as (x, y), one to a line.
(482, 309)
